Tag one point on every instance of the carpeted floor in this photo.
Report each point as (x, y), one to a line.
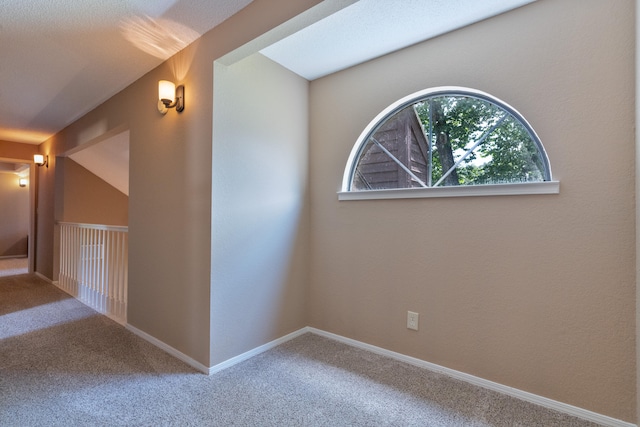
(13, 266)
(62, 364)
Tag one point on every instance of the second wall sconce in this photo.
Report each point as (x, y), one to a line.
(40, 160)
(170, 96)
(22, 182)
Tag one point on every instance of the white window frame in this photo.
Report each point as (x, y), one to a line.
(549, 186)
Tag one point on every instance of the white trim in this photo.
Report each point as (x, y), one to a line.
(45, 278)
(249, 354)
(13, 256)
(123, 228)
(410, 99)
(543, 187)
(222, 365)
(509, 391)
(172, 351)
(471, 379)
(116, 319)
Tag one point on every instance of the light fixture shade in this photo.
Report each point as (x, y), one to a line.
(170, 96)
(166, 91)
(41, 160)
(22, 182)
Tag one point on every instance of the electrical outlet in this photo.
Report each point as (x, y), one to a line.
(412, 320)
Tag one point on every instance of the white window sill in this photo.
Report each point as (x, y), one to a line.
(546, 187)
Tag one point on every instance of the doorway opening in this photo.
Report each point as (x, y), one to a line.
(17, 216)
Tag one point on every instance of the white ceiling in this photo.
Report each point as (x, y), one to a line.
(371, 28)
(59, 59)
(20, 169)
(62, 58)
(108, 159)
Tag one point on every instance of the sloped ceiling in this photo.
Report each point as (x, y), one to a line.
(62, 58)
(19, 169)
(368, 29)
(108, 159)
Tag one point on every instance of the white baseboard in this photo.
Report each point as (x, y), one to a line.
(220, 366)
(172, 351)
(45, 278)
(249, 354)
(509, 391)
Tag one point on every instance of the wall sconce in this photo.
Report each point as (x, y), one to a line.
(170, 96)
(22, 182)
(40, 160)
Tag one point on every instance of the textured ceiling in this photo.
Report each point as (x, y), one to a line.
(20, 169)
(62, 58)
(371, 28)
(108, 159)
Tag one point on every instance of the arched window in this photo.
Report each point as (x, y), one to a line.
(447, 137)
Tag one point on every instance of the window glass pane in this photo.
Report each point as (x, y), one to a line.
(395, 156)
(447, 140)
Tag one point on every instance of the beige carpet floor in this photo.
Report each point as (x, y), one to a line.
(63, 364)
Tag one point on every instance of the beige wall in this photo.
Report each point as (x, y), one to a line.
(259, 219)
(88, 199)
(16, 150)
(14, 216)
(534, 292)
(170, 183)
(44, 221)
